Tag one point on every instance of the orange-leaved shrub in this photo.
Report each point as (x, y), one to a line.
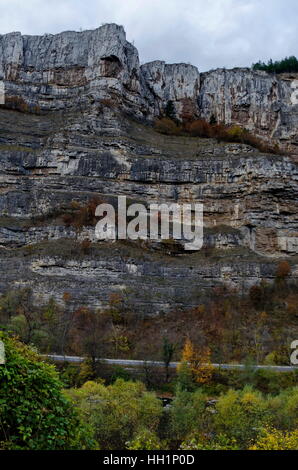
(222, 133)
(17, 103)
(82, 216)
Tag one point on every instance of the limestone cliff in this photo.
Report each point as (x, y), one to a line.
(74, 68)
(91, 136)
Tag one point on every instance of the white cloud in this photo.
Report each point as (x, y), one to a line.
(207, 33)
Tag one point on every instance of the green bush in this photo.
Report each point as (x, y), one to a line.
(145, 440)
(34, 413)
(284, 410)
(120, 373)
(117, 412)
(187, 414)
(241, 415)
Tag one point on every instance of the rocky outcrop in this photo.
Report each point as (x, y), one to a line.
(179, 83)
(72, 69)
(80, 138)
(151, 283)
(69, 69)
(261, 102)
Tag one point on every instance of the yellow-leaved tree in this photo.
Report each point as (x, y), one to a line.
(274, 439)
(198, 361)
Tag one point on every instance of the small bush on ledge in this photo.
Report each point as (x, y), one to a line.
(82, 216)
(167, 126)
(17, 103)
(222, 133)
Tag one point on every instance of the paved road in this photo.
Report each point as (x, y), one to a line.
(138, 363)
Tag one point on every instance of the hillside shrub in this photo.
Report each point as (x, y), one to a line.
(34, 413)
(222, 133)
(118, 412)
(18, 103)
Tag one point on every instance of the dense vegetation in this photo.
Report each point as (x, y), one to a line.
(36, 414)
(125, 415)
(287, 65)
(112, 408)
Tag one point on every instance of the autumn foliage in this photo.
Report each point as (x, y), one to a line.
(80, 215)
(198, 360)
(219, 131)
(283, 270)
(17, 103)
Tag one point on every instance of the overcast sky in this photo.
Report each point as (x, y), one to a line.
(206, 33)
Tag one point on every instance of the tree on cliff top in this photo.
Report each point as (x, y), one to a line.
(289, 64)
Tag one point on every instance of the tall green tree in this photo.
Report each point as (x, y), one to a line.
(170, 111)
(168, 350)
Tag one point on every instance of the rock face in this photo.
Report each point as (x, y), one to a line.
(261, 102)
(54, 71)
(179, 83)
(71, 69)
(79, 138)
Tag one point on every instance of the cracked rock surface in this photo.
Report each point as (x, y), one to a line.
(92, 138)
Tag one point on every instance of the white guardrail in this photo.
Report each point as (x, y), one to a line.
(138, 363)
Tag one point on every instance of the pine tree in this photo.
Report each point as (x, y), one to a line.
(213, 120)
(170, 111)
(286, 65)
